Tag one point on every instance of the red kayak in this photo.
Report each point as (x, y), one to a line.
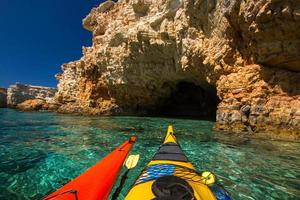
(96, 182)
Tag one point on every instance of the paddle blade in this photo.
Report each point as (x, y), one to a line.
(132, 161)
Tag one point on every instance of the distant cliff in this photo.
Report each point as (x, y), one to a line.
(3, 97)
(241, 58)
(19, 93)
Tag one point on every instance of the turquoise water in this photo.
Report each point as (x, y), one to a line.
(39, 152)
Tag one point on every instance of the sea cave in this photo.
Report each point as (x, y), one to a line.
(188, 100)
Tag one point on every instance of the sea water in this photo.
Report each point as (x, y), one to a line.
(40, 152)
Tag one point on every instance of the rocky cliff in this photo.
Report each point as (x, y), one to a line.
(19, 93)
(241, 58)
(3, 97)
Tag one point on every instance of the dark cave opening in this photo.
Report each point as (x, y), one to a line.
(188, 100)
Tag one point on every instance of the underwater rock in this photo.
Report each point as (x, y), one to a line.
(131, 129)
(244, 53)
(231, 139)
(3, 97)
(22, 162)
(19, 93)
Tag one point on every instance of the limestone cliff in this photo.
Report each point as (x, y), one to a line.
(19, 93)
(146, 52)
(3, 97)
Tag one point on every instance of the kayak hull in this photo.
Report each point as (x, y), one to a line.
(170, 175)
(95, 183)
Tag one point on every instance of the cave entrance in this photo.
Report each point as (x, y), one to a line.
(188, 100)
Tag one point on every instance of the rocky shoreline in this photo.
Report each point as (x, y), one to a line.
(28, 97)
(237, 61)
(241, 55)
(258, 103)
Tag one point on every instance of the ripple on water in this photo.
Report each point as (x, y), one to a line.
(39, 152)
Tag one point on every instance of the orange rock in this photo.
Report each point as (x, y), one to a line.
(248, 51)
(32, 105)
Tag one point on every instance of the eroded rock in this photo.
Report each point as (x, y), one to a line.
(247, 51)
(32, 105)
(19, 93)
(140, 7)
(268, 100)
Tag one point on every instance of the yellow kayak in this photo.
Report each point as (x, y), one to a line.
(171, 176)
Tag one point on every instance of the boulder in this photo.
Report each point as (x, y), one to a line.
(32, 105)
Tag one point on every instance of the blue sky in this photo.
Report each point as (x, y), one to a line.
(37, 36)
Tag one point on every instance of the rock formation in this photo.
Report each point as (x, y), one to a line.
(36, 105)
(243, 54)
(19, 93)
(3, 97)
(256, 98)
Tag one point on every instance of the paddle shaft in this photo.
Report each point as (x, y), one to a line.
(119, 188)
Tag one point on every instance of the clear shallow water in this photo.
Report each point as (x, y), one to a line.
(39, 152)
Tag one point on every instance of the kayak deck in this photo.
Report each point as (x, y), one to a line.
(170, 168)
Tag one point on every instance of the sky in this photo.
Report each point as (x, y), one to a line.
(38, 36)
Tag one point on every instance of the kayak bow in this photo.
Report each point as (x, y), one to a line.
(97, 181)
(171, 176)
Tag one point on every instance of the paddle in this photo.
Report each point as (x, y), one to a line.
(130, 163)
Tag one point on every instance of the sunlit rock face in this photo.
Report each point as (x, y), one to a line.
(259, 99)
(3, 97)
(230, 51)
(19, 93)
